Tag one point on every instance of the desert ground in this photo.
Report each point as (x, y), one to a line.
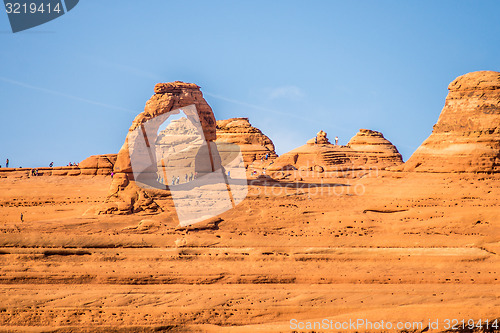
(377, 245)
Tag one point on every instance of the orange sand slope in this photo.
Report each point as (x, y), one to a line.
(389, 246)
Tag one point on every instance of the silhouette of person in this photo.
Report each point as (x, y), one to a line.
(7, 163)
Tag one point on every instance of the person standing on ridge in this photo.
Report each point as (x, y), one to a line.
(336, 140)
(7, 163)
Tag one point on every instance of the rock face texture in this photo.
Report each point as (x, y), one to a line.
(370, 147)
(320, 138)
(172, 95)
(466, 137)
(98, 164)
(253, 143)
(125, 196)
(366, 149)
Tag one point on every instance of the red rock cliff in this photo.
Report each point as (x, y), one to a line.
(466, 137)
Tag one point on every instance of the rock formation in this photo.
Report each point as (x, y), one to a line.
(253, 143)
(320, 138)
(466, 137)
(98, 164)
(371, 148)
(125, 196)
(366, 149)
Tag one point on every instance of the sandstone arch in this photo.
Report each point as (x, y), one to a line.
(125, 196)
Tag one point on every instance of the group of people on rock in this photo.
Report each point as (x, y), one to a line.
(336, 140)
(187, 178)
(50, 165)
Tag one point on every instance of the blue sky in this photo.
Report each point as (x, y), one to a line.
(71, 87)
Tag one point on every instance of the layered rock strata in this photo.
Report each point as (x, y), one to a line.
(256, 147)
(366, 149)
(466, 137)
